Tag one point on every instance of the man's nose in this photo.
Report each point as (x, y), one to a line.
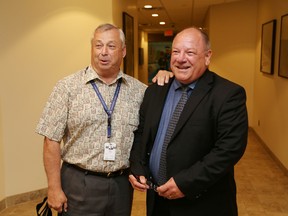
(104, 50)
(181, 56)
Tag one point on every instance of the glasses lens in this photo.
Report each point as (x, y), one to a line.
(152, 186)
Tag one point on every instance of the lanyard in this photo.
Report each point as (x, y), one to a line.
(108, 111)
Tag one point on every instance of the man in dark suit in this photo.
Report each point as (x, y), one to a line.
(209, 138)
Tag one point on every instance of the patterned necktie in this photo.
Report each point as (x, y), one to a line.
(162, 175)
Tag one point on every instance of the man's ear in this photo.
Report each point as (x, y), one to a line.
(208, 57)
(124, 52)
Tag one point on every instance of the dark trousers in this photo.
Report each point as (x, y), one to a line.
(161, 206)
(92, 195)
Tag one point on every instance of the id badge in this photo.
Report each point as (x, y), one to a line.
(109, 151)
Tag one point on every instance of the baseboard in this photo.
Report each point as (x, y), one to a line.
(2, 205)
(277, 161)
(21, 198)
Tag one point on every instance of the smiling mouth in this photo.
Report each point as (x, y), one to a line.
(182, 67)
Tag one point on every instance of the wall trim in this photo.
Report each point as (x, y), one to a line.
(2, 205)
(21, 198)
(272, 155)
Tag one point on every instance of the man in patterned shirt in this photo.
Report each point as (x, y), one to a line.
(94, 112)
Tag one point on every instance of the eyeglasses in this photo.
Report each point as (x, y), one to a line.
(152, 186)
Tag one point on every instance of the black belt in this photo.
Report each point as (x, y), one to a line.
(107, 175)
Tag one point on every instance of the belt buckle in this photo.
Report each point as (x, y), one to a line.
(109, 174)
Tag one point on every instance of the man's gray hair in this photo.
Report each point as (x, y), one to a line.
(107, 27)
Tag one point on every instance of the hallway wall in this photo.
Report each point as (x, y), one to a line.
(129, 6)
(143, 69)
(40, 42)
(235, 32)
(270, 105)
(233, 42)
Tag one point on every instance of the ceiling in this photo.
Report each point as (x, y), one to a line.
(177, 14)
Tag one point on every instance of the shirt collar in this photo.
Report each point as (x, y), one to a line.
(176, 85)
(91, 74)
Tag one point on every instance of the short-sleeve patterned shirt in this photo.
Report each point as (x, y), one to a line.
(75, 115)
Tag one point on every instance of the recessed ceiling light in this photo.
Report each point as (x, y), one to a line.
(154, 15)
(147, 6)
(162, 23)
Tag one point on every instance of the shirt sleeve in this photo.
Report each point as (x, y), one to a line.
(53, 120)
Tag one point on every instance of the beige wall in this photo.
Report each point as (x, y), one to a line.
(129, 7)
(2, 170)
(235, 33)
(233, 39)
(40, 42)
(143, 69)
(271, 91)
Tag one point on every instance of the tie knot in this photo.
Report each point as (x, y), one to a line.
(184, 88)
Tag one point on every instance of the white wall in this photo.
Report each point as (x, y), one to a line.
(235, 33)
(143, 69)
(40, 42)
(271, 91)
(128, 6)
(2, 179)
(233, 40)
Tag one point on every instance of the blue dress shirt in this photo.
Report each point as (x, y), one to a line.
(172, 100)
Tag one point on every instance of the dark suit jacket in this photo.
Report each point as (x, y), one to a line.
(209, 139)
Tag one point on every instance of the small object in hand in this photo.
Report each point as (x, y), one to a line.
(42, 209)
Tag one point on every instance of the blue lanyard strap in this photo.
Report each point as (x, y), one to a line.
(108, 111)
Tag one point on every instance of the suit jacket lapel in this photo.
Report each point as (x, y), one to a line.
(203, 86)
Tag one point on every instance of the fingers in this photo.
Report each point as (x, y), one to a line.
(160, 81)
(57, 200)
(154, 79)
(170, 190)
(58, 207)
(162, 77)
(166, 192)
(169, 195)
(138, 182)
(168, 76)
(65, 207)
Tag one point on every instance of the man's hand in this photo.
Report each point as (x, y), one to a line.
(162, 77)
(170, 190)
(57, 200)
(138, 183)
(52, 163)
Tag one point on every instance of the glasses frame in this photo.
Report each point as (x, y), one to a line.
(152, 186)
